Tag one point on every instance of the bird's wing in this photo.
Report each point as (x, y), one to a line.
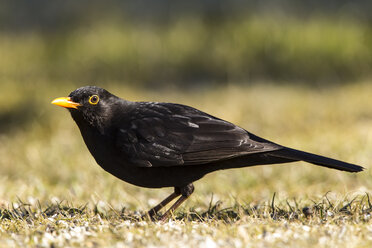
(164, 134)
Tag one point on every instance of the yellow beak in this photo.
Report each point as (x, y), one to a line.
(65, 102)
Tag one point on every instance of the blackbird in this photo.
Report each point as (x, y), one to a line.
(156, 144)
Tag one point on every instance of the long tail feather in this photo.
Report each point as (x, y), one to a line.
(290, 153)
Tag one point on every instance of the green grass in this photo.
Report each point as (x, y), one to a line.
(52, 193)
(188, 51)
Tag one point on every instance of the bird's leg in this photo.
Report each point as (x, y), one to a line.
(185, 192)
(154, 211)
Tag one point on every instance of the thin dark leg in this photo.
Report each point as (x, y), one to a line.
(154, 211)
(166, 215)
(185, 192)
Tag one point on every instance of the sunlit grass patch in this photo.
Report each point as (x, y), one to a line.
(288, 222)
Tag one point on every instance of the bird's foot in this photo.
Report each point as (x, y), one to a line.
(153, 214)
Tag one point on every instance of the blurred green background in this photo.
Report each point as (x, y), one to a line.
(296, 72)
(183, 43)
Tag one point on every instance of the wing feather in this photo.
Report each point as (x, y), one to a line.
(163, 134)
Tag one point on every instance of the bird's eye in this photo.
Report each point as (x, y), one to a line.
(93, 99)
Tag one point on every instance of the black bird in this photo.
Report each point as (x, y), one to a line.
(155, 144)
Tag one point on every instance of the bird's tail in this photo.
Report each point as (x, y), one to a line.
(289, 153)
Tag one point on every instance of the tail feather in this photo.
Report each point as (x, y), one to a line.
(289, 153)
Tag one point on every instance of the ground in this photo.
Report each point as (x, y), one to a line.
(53, 194)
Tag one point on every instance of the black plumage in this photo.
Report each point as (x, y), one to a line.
(153, 144)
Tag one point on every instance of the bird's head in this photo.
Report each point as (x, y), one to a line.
(89, 105)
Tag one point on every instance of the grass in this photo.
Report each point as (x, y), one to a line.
(52, 194)
(316, 50)
(328, 225)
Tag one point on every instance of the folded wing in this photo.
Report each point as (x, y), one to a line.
(162, 134)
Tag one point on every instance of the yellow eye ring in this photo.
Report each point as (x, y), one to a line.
(93, 99)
